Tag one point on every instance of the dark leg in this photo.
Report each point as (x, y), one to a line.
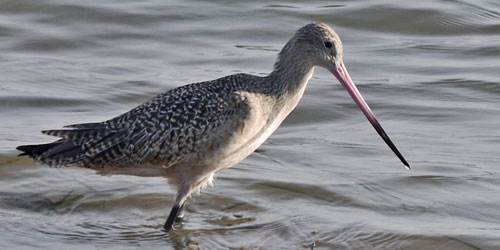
(177, 212)
(171, 217)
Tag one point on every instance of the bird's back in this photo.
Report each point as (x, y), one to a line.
(188, 123)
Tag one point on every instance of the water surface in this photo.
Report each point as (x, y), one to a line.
(429, 69)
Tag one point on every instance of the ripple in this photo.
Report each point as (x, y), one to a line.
(429, 71)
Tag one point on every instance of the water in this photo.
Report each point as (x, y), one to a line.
(429, 69)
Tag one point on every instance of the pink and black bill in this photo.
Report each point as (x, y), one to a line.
(343, 76)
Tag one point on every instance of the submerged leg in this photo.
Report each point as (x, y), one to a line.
(172, 216)
(177, 212)
(184, 191)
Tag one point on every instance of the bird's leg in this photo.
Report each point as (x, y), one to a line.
(180, 213)
(177, 212)
(172, 216)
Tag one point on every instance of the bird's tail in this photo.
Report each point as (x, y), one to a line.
(35, 150)
(87, 145)
(53, 154)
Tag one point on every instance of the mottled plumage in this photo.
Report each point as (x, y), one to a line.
(189, 133)
(171, 127)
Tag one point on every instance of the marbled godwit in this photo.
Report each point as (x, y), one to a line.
(191, 132)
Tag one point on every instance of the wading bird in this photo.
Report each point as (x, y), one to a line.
(189, 133)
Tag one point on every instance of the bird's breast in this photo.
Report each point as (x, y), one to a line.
(265, 114)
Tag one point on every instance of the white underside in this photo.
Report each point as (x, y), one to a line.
(261, 123)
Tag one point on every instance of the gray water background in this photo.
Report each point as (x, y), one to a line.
(429, 69)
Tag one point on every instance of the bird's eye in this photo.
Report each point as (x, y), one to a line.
(328, 44)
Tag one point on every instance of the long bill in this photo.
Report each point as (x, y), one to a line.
(343, 76)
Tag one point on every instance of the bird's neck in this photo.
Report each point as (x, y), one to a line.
(290, 78)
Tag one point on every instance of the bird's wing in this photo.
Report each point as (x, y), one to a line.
(184, 122)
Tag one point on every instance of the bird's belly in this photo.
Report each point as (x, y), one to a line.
(242, 148)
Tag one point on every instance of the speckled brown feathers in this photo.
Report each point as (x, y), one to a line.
(170, 127)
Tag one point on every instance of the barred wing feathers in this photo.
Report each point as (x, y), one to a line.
(178, 124)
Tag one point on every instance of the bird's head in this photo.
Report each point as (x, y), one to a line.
(317, 44)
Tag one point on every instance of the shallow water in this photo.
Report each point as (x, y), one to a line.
(429, 70)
